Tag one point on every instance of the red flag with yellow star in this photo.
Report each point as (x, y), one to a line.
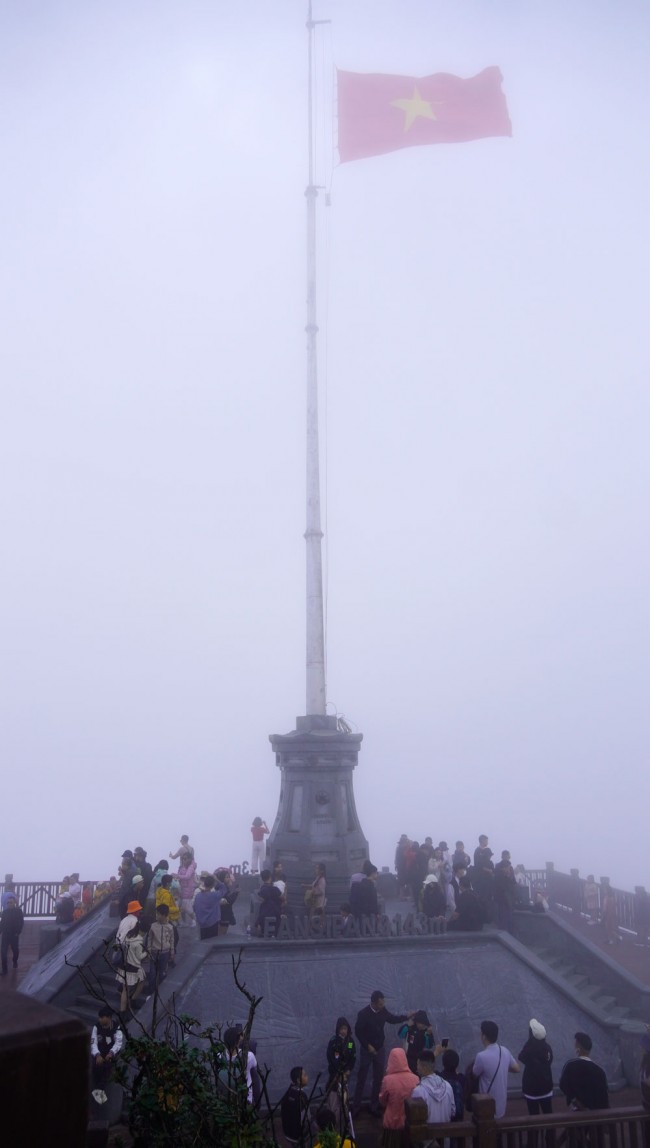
(379, 113)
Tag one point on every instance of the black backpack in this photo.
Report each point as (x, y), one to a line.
(433, 900)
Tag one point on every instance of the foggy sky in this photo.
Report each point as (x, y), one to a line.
(484, 382)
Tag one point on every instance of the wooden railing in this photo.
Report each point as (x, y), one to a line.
(38, 898)
(567, 891)
(604, 1128)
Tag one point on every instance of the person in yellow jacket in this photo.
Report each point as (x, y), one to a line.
(164, 896)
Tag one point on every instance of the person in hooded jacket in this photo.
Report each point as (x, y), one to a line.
(537, 1058)
(417, 1035)
(341, 1050)
(437, 1093)
(396, 1087)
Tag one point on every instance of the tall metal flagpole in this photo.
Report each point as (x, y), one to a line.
(315, 633)
(317, 820)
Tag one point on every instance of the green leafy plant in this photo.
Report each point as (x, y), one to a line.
(182, 1088)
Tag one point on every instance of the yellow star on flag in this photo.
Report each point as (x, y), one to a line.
(414, 108)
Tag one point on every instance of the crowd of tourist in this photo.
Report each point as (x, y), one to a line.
(424, 1068)
(156, 902)
(467, 891)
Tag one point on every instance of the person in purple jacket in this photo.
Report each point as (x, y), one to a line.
(207, 907)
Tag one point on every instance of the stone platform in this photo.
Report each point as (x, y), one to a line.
(460, 981)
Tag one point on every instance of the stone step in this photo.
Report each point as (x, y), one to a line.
(606, 1003)
(620, 1012)
(592, 990)
(563, 969)
(578, 980)
(542, 953)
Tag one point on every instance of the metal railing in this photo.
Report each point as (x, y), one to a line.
(38, 898)
(567, 891)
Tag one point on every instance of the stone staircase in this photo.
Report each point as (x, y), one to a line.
(581, 984)
(82, 1003)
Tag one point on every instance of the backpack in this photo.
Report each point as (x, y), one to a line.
(457, 1082)
(433, 900)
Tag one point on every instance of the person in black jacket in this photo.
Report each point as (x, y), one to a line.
(294, 1109)
(271, 904)
(469, 915)
(146, 871)
(584, 1083)
(11, 926)
(369, 1031)
(363, 893)
(537, 1058)
(341, 1050)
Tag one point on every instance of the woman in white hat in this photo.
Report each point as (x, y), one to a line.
(537, 1058)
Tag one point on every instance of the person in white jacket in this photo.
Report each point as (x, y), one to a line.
(438, 1095)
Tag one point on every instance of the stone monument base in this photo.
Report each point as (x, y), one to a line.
(317, 819)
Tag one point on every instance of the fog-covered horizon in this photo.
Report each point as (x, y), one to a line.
(484, 406)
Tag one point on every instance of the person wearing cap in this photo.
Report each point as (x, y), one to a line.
(369, 1031)
(537, 1081)
(11, 926)
(137, 884)
(129, 921)
(582, 1081)
(146, 870)
(131, 977)
(433, 900)
(9, 892)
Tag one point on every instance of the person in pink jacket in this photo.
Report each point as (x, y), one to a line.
(187, 880)
(396, 1087)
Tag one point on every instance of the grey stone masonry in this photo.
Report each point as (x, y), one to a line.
(317, 818)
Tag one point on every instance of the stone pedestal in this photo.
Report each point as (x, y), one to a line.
(317, 817)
